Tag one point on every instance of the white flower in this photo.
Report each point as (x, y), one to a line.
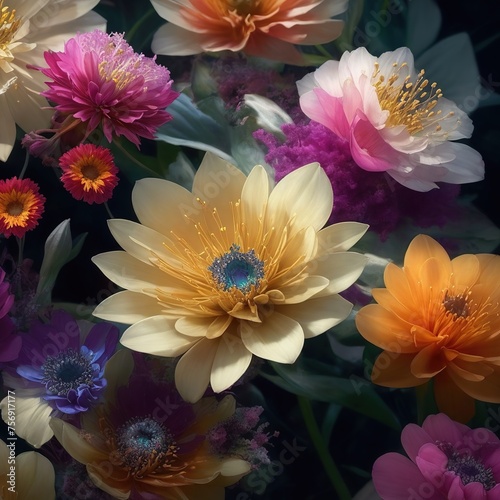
(394, 119)
(231, 270)
(27, 30)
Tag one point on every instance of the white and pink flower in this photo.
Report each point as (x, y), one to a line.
(394, 119)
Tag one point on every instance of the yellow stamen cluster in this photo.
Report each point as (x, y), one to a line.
(191, 266)
(410, 103)
(9, 25)
(15, 208)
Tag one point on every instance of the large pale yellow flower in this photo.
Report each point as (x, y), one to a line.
(438, 320)
(233, 269)
(263, 28)
(25, 476)
(27, 30)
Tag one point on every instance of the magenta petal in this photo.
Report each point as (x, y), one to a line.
(369, 149)
(395, 477)
(413, 438)
(474, 491)
(432, 462)
(441, 428)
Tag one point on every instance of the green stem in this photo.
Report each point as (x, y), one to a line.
(323, 51)
(25, 165)
(322, 450)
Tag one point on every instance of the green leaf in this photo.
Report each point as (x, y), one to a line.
(300, 379)
(59, 249)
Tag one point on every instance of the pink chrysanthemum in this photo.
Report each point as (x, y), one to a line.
(21, 205)
(89, 173)
(99, 80)
(447, 460)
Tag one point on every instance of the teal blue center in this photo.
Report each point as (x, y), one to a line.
(237, 270)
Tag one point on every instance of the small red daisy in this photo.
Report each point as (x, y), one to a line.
(21, 205)
(89, 173)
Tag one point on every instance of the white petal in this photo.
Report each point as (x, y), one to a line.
(137, 240)
(306, 195)
(210, 327)
(7, 130)
(277, 338)
(32, 419)
(234, 467)
(468, 165)
(162, 205)
(192, 373)
(230, 362)
(127, 307)
(130, 273)
(218, 183)
(303, 289)
(173, 40)
(340, 237)
(36, 476)
(316, 316)
(62, 12)
(158, 336)
(342, 269)
(254, 195)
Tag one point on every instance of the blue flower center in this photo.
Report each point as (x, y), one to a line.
(237, 270)
(467, 467)
(65, 371)
(143, 444)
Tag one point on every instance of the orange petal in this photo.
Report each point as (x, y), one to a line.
(428, 362)
(384, 329)
(393, 370)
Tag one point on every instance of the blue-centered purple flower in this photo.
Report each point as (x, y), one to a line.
(60, 370)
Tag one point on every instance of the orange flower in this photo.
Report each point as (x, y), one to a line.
(21, 205)
(263, 28)
(438, 319)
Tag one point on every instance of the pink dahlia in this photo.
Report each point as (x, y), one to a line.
(447, 460)
(393, 118)
(99, 80)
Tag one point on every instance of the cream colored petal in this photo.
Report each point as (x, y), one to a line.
(219, 184)
(192, 373)
(306, 195)
(36, 477)
(254, 196)
(156, 335)
(304, 289)
(277, 338)
(230, 363)
(316, 316)
(73, 442)
(342, 269)
(32, 419)
(7, 130)
(70, 12)
(340, 237)
(130, 273)
(166, 207)
(196, 326)
(138, 240)
(127, 307)
(234, 467)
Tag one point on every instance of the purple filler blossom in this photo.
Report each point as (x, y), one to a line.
(370, 197)
(10, 344)
(70, 365)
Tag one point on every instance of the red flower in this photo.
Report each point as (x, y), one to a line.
(89, 173)
(21, 205)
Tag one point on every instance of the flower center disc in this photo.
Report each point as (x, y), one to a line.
(236, 269)
(143, 445)
(68, 370)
